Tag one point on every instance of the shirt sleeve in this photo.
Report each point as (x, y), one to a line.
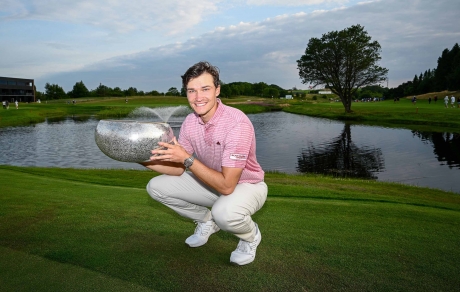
(238, 143)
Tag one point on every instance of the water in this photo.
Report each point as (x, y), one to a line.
(161, 113)
(285, 142)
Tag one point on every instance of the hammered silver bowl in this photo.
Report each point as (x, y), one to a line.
(131, 141)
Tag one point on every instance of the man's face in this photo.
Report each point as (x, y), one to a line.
(202, 96)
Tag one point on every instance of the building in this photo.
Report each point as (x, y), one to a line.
(12, 89)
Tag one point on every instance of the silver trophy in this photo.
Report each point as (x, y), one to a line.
(131, 141)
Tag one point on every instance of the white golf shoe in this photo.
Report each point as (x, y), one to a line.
(245, 252)
(202, 233)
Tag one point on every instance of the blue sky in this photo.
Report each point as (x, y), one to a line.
(149, 44)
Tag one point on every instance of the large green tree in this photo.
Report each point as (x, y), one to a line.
(342, 61)
(54, 91)
(79, 90)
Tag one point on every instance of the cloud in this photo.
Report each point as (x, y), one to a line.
(121, 16)
(293, 2)
(412, 35)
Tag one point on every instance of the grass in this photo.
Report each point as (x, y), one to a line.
(116, 107)
(422, 116)
(97, 230)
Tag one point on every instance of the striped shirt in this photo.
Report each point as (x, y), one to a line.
(228, 140)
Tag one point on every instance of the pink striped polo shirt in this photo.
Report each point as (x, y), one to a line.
(228, 140)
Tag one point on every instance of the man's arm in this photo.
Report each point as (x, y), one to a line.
(224, 182)
(173, 156)
(165, 167)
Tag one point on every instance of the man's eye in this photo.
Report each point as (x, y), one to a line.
(190, 91)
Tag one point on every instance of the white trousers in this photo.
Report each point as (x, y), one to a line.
(190, 198)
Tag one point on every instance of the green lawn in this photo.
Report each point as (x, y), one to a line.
(423, 115)
(98, 230)
(32, 113)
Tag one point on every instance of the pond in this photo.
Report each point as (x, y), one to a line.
(285, 142)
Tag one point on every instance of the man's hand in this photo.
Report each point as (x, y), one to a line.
(174, 154)
(167, 152)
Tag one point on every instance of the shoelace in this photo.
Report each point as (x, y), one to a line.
(202, 228)
(246, 247)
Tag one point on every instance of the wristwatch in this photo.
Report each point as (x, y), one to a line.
(189, 161)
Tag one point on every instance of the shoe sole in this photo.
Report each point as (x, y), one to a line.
(242, 264)
(192, 245)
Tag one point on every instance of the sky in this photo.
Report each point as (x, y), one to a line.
(149, 44)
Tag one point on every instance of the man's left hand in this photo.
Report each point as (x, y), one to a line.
(171, 152)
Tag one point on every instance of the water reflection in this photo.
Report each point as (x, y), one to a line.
(341, 157)
(445, 146)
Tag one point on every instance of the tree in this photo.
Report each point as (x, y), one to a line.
(447, 75)
(132, 91)
(103, 90)
(343, 61)
(79, 90)
(173, 92)
(54, 91)
(117, 92)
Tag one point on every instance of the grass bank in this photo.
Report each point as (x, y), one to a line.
(97, 230)
(115, 107)
(402, 114)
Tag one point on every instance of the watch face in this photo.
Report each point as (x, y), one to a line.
(188, 162)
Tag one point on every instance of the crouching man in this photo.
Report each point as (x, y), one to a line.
(211, 174)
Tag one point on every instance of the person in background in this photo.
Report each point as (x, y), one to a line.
(452, 101)
(213, 165)
(446, 101)
(16, 103)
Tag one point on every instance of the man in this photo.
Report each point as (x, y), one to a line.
(446, 101)
(452, 101)
(217, 146)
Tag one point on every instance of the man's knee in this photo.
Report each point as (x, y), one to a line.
(226, 217)
(155, 188)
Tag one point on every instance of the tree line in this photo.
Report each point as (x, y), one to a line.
(54, 91)
(446, 76)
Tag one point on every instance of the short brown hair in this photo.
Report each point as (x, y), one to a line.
(198, 69)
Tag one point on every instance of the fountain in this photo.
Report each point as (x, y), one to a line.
(132, 140)
(164, 113)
